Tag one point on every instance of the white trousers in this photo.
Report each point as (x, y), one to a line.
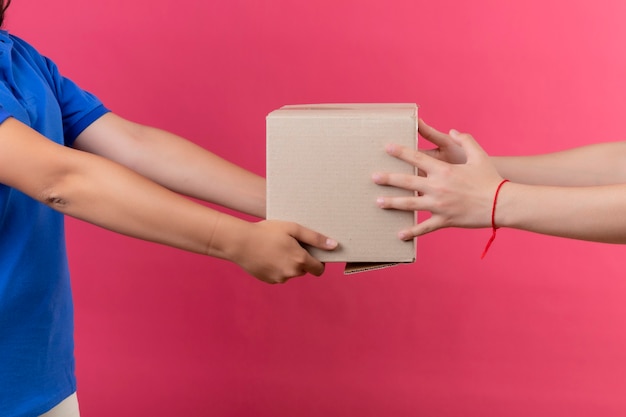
(66, 408)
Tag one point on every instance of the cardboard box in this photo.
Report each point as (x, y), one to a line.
(320, 159)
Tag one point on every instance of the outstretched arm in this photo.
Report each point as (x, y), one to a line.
(461, 195)
(175, 163)
(109, 195)
(597, 164)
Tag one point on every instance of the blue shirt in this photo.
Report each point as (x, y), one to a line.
(36, 311)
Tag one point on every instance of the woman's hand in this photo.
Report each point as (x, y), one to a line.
(456, 194)
(271, 251)
(448, 150)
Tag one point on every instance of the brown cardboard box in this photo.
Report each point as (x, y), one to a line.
(320, 159)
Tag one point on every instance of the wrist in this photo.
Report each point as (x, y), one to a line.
(227, 238)
(505, 204)
(494, 225)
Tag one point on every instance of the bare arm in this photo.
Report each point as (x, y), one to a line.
(109, 195)
(596, 213)
(461, 195)
(598, 164)
(175, 163)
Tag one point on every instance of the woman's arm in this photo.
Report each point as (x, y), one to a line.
(175, 163)
(598, 164)
(109, 195)
(462, 195)
(595, 213)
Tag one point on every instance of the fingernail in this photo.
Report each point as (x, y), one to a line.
(380, 202)
(390, 149)
(331, 243)
(454, 132)
(376, 177)
(403, 235)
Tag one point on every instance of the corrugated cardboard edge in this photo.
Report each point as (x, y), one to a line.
(357, 267)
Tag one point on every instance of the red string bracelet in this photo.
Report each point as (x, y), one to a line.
(493, 219)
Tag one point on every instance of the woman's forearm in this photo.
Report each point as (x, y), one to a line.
(463, 194)
(175, 163)
(596, 213)
(107, 194)
(598, 164)
(110, 195)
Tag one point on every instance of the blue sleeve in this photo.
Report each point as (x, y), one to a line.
(3, 114)
(79, 108)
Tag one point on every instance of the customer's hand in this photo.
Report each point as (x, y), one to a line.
(447, 149)
(456, 195)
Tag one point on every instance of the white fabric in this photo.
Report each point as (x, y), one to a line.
(66, 408)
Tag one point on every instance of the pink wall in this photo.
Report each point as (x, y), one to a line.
(537, 328)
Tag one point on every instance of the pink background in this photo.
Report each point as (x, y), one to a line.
(537, 328)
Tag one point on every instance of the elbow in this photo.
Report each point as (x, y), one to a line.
(57, 203)
(55, 193)
(54, 199)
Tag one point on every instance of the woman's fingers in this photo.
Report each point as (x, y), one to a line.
(472, 149)
(416, 158)
(429, 225)
(432, 135)
(404, 181)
